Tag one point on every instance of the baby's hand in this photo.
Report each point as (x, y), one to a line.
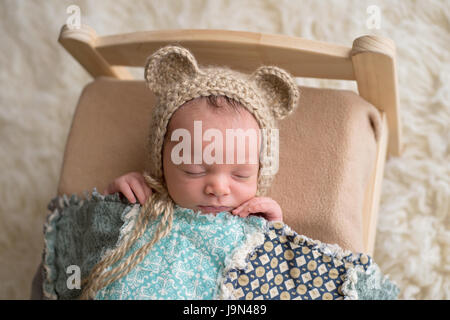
(260, 206)
(129, 185)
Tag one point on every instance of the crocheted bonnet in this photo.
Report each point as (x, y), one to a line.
(173, 75)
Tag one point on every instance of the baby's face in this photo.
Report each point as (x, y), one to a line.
(211, 187)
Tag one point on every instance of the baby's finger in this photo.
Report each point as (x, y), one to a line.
(259, 207)
(126, 190)
(138, 191)
(243, 212)
(242, 206)
(238, 210)
(147, 190)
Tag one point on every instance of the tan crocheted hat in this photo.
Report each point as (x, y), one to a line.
(173, 75)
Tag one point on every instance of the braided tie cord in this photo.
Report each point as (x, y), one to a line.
(155, 184)
(159, 202)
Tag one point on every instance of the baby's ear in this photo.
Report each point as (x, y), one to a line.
(279, 89)
(167, 66)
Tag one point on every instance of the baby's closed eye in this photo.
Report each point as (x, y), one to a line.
(193, 170)
(242, 175)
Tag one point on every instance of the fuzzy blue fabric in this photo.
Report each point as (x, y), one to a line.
(78, 232)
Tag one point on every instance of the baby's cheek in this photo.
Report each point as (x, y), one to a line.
(179, 188)
(189, 188)
(246, 191)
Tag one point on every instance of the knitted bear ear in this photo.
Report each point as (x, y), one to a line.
(167, 66)
(279, 89)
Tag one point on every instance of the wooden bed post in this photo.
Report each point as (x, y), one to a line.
(80, 43)
(373, 59)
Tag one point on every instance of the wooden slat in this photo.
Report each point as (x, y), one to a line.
(373, 190)
(244, 51)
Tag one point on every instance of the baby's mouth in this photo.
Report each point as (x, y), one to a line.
(213, 209)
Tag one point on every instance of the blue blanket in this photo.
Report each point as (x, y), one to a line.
(203, 257)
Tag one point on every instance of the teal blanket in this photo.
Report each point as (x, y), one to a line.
(203, 257)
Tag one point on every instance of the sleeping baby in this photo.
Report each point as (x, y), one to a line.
(197, 223)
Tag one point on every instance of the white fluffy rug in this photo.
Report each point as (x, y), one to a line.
(40, 85)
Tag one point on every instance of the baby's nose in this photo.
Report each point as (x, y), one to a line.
(218, 187)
